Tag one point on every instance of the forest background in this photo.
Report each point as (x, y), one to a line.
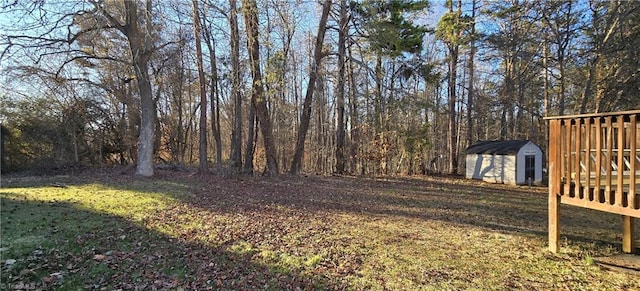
(369, 87)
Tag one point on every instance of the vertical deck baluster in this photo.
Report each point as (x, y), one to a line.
(596, 187)
(566, 155)
(560, 142)
(633, 148)
(587, 157)
(578, 149)
(607, 164)
(620, 150)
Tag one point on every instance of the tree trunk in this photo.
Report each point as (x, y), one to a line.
(236, 134)
(250, 147)
(313, 75)
(378, 98)
(561, 98)
(215, 97)
(340, 135)
(453, 74)
(202, 151)
(545, 53)
(453, 63)
(257, 95)
(588, 87)
(141, 47)
(355, 126)
(472, 55)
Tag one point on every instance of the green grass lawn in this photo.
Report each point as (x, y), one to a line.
(107, 230)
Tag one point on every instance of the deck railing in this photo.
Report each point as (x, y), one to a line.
(594, 162)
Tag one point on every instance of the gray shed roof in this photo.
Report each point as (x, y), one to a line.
(497, 147)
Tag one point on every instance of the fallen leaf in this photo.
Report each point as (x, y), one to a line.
(99, 258)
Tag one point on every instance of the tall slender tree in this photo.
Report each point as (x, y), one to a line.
(250, 9)
(471, 68)
(354, 110)
(450, 29)
(202, 84)
(215, 93)
(296, 163)
(236, 134)
(340, 134)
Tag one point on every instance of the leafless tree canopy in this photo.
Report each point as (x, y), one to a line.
(266, 86)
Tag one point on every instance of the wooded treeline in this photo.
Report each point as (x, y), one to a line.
(371, 87)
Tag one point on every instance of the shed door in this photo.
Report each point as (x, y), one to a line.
(529, 168)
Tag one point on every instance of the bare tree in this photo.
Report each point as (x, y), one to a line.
(215, 94)
(471, 68)
(296, 163)
(139, 37)
(258, 99)
(202, 156)
(340, 134)
(236, 134)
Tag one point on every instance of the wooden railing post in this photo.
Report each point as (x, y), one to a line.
(554, 185)
(628, 238)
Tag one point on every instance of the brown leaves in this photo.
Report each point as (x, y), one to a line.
(53, 278)
(300, 233)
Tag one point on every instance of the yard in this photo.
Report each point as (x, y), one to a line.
(106, 229)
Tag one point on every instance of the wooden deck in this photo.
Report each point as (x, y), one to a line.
(594, 162)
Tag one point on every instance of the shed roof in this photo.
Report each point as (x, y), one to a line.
(497, 147)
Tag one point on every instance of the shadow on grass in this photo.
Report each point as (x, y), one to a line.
(499, 208)
(59, 245)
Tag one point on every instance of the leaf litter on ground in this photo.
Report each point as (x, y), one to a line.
(178, 230)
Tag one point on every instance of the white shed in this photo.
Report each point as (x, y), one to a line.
(505, 161)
